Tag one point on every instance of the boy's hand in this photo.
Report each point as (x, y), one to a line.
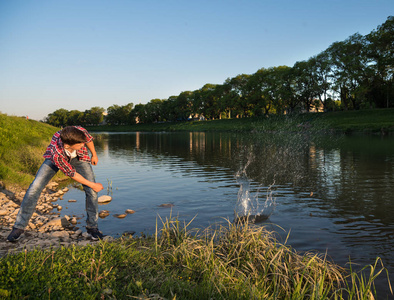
(94, 160)
(97, 187)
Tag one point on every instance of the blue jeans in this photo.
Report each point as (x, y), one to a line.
(43, 176)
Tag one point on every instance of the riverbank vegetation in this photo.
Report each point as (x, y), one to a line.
(376, 121)
(238, 261)
(353, 74)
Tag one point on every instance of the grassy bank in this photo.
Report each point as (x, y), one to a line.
(22, 144)
(363, 121)
(234, 262)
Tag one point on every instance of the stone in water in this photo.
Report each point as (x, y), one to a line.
(167, 205)
(103, 214)
(120, 216)
(104, 199)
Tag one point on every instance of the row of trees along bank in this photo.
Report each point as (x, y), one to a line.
(353, 74)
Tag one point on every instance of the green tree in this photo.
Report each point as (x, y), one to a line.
(126, 112)
(321, 70)
(94, 116)
(197, 103)
(257, 101)
(117, 115)
(75, 117)
(170, 110)
(351, 71)
(306, 87)
(239, 89)
(381, 50)
(138, 114)
(288, 101)
(184, 105)
(270, 90)
(209, 104)
(58, 118)
(229, 100)
(154, 111)
(113, 115)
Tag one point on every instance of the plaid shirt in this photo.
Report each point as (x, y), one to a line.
(56, 153)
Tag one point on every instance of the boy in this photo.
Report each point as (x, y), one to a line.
(67, 152)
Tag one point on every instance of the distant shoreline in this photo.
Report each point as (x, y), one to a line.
(376, 121)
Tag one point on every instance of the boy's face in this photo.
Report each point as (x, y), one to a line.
(74, 147)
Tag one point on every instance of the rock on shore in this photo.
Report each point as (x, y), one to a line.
(46, 228)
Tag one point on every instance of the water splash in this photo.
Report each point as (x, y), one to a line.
(250, 206)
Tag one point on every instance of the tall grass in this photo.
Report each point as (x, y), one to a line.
(229, 262)
(22, 144)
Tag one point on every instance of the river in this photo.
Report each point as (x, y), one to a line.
(330, 194)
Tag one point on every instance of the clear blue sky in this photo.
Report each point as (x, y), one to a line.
(79, 54)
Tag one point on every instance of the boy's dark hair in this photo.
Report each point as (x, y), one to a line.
(71, 135)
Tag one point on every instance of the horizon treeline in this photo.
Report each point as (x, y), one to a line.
(353, 74)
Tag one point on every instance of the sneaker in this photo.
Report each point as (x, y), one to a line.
(15, 234)
(95, 234)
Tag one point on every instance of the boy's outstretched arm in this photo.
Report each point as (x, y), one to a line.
(94, 159)
(96, 186)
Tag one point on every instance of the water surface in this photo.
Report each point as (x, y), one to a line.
(331, 194)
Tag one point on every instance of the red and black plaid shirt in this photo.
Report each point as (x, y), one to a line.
(56, 153)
